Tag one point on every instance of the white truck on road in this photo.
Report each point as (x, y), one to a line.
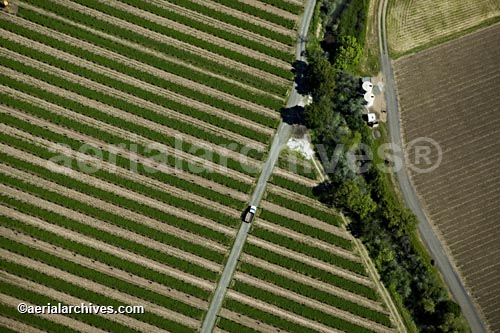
(249, 214)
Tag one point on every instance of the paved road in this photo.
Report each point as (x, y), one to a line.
(432, 242)
(280, 139)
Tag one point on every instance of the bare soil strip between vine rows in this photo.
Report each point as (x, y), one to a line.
(101, 289)
(150, 202)
(160, 289)
(171, 41)
(201, 35)
(59, 319)
(147, 50)
(245, 17)
(68, 299)
(113, 250)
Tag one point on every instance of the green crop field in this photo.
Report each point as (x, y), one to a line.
(124, 169)
(300, 272)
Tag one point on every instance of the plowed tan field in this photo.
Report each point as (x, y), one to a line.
(450, 94)
(413, 23)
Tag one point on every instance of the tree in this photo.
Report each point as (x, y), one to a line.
(320, 77)
(350, 196)
(449, 318)
(348, 55)
(399, 219)
(328, 11)
(319, 115)
(347, 100)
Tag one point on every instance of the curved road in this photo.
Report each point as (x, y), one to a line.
(432, 242)
(280, 139)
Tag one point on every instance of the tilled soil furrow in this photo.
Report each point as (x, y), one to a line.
(296, 178)
(113, 250)
(103, 290)
(140, 219)
(277, 229)
(341, 232)
(120, 211)
(452, 194)
(249, 322)
(320, 285)
(328, 309)
(455, 198)
(465, 173)
(245, 17)
(301, 217)
(462, 242)
(286, 315)
(161, 92)
(150, 51)
(461, 195)
(250, 106)
(128, 174)
(58, 318)
(482, 262)
(218, 330)
(300, 3)
(133, 176)
(18, 326)
(200, 34)
(286, 193)
(190, 176)
(156, 108)
(106, 269)
(283, 251)
(109, 228)
(71, 300)
(271, 9)
(455, 230)
(222, 25)
(199, 164)
(176, 43)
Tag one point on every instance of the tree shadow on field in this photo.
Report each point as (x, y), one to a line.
(300, 70)
(293, 115)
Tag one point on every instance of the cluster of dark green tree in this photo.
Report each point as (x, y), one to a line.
(344, 30)
(360, 189)
(386, 227)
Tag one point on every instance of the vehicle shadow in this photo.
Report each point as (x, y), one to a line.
(244, 213)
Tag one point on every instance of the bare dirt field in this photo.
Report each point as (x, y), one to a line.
(449, 93)
(413, 23)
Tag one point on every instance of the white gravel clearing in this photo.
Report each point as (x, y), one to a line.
(302, 146)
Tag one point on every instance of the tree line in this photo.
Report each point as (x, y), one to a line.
(380, 219)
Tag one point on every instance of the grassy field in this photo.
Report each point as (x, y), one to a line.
(457, 107)
(415, 24)
(116, 186)
(370, 63)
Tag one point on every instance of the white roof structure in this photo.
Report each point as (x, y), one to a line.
(367, 86)
(371, 117)
(369, 98)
